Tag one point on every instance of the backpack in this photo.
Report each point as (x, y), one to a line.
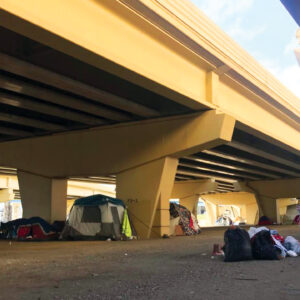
(263, 246)
(237, 245)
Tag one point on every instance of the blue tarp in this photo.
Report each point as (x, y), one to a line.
(96, 200)
(293, 7)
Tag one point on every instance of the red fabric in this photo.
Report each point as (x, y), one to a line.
(279, 238)
(265, 223)
(23, 232)
(191, 223)
(35, 231)
(39, 234)
(297, 220)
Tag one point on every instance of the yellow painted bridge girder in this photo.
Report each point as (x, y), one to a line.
(116, 148)
(167, 46)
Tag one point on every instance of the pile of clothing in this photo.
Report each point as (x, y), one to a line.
(280, 246)
(258, 243)
(181, 216)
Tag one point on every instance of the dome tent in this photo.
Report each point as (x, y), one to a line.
(96, 217)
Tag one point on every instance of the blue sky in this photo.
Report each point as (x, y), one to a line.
(263, 28)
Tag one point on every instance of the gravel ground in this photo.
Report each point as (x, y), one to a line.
(175, 268)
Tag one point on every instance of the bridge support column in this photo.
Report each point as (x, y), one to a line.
(268, 207)
(146, 190)
(6, 195)
(190, 203)
(43, 197)
(273, 207)
(212, 213)
(252, 213)
(188, 192)
(268, 192)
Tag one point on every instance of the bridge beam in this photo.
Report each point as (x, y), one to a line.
(114, 149)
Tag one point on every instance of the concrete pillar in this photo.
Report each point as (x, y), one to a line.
(43, 197)
(282, 205)
(146, 190)
(267, 207)
(267, 192)
(211, 213)
(190, 203)
(252, 213)
(6, 195)
(243, 211)
(188, 192)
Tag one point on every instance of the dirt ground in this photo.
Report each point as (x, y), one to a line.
(174, 268)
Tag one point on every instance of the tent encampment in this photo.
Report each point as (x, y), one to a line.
(34, 228)
(180, 215)
(97, 217)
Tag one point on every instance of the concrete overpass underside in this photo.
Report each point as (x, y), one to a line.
(144, 94)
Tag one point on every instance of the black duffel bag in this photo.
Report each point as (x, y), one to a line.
(237, 245)
(263, 246)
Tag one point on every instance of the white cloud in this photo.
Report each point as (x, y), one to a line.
(271, 65)
(229, 15)
(222, 10)
(290, 77)
(287, 75)
(291, 46)
(236, 31)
